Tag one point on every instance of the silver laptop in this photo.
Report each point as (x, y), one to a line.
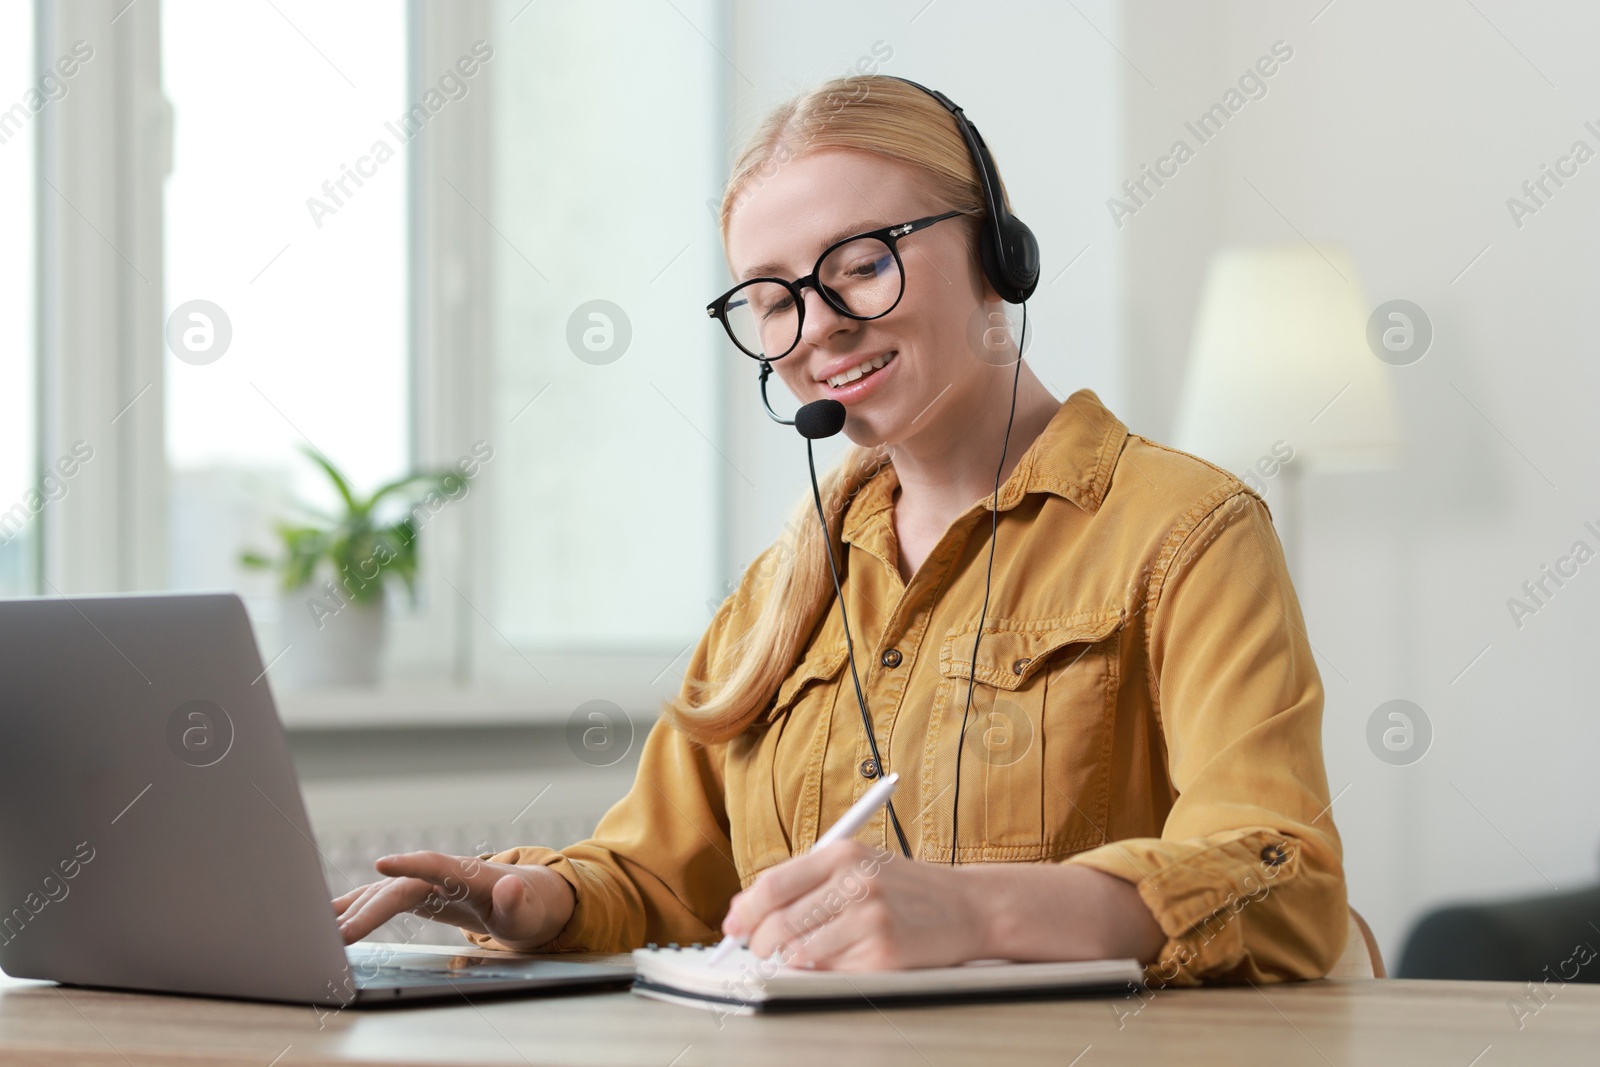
(153, 835)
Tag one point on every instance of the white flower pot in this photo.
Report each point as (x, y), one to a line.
(330, 643)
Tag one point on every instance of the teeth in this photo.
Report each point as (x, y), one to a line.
(860, 370)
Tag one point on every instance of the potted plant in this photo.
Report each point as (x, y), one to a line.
(335, 572)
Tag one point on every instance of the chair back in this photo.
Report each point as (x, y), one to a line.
(1361, 958)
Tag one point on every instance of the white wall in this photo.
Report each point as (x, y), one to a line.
(1399, 131)
(1047, 102)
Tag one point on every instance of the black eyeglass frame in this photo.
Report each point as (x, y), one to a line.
(889, 235)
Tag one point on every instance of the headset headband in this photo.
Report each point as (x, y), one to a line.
(1009, 251)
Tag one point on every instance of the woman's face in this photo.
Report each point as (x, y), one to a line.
(930, 367)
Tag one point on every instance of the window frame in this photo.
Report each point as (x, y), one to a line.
(100, 378)
(453, 368)
(29, 532)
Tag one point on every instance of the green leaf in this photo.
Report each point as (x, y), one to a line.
(441, 482)
(334, 475)
(399, 484)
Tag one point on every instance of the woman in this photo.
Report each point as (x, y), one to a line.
(1140, 765)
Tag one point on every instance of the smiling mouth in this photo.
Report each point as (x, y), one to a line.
(861, 370)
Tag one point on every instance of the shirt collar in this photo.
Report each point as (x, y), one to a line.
(1073, 458)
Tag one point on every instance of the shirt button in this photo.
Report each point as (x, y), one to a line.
(891, 658)
(1020, 666)
(869, 768)
(1273, 855)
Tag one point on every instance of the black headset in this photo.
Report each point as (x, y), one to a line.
(1009, 254)
(1007, 248)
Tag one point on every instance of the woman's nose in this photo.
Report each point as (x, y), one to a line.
(822, 321)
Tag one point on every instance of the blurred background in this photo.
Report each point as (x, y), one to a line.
(1343, 248)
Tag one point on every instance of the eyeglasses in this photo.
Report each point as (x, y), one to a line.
(860, 277)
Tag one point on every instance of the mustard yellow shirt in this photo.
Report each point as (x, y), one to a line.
(1146, 704)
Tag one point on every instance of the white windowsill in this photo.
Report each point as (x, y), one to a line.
(381, 707)
(557, 685)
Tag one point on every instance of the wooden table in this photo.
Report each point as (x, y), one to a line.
(1415, 1024)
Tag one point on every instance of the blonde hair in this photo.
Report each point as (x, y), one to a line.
(889, 118)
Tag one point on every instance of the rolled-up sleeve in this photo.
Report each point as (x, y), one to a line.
(659, 866)
(1246, 878)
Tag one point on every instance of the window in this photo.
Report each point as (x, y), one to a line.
(606, 146)
(287, 223)
(23, 492)
(333, 276)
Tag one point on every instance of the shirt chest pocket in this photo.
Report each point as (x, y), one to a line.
(774, 767)
(1035, 759)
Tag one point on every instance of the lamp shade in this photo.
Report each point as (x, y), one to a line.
(1279, 357)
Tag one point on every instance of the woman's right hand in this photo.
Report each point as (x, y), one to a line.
(523, 908)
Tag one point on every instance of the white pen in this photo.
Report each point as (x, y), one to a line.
(853, 820)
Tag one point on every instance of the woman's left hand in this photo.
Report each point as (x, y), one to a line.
(853, 908)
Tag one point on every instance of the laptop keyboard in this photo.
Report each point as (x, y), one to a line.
(390, 969)
(390, 977)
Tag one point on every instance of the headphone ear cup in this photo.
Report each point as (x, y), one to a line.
(1015, 273)
(1021, 258)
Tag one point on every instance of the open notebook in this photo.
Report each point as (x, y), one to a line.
(744, 983)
